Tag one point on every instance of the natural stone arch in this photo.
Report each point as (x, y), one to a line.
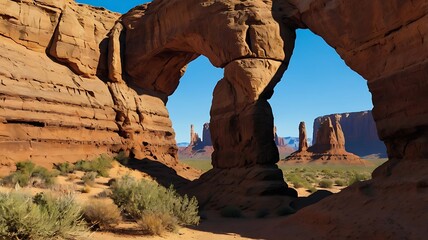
(255, 29)
(248, 42)
(387, 48)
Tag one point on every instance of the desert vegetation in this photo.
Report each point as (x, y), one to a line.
(155, 208)
(312, 176)
(27, 173)
(72, 199)
(40, 217)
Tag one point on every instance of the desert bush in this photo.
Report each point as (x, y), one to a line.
(86, 189)
(122, 158)
(358, 177)
(40, 217)
(285, 210)
(340, 182)
(157, 223)
(297, 184)
(27, 173)
(325, 183)
(72, 177)
(64, 168)
(231, 212)
(89, 178)
(100, 165)
(312, 189)
(297, 180)
(138, 198)
(102, 213)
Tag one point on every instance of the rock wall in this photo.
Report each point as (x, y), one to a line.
(385, 42)
(360, 133)
(388, 48)
(56, 103)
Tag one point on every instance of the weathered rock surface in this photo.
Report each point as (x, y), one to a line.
(360, 133)
(54, 102)
(50, 113)
(247, 41)
(206, 135)
(303, 140)
(329, 147)
(385, 42)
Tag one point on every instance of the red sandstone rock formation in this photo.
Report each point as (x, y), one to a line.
(195, 140)
(328, 148)
(61, 106)
(360, 133)
(54, 102)
(303, 140)
(206, 135)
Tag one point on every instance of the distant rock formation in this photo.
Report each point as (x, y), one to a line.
(202, 148)
(195, 140)
(303, 141)
(329, 146)
(360, 133)
(206, 135)
(278, 140)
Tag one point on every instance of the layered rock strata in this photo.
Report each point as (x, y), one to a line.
(146, 54)
(360, 132)
(56, 103)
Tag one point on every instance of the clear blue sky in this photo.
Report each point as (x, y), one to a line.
(317, 83)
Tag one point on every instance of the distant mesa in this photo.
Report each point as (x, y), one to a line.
(329, 146)
(359, 129)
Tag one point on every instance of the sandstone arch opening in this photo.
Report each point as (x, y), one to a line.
(190, 105)
(317, 85)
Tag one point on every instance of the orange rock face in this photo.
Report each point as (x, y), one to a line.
(303, 139)
(359, 129)
(55, 104)
(77, 81)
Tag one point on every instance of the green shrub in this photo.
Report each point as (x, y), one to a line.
(89, 178)
(41, 217)
(325, 183)
(285, 210)
(312, 189)
(122, 158)
(231, 212)
(298, 185)
(139, 198)
(340, 182)
(100, 165)
(102, 213)
(27, 173)
(64, 168)
(358, 177)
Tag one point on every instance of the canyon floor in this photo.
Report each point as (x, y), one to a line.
(213, 226)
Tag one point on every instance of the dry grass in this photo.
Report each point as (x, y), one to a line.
(102, 213)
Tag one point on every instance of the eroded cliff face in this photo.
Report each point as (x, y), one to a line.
(68, 92)
(387, 46)
(385, 42)
(360, 133)
(55, 102)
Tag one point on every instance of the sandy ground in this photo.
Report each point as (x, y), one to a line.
(214, 227)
